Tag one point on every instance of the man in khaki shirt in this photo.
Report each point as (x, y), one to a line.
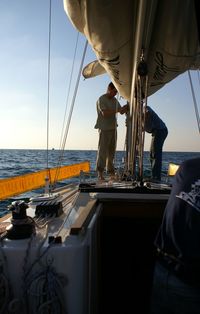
(107, 107)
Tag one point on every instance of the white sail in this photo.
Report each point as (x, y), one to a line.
(170, 37)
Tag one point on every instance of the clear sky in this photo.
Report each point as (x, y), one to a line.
(24, 80)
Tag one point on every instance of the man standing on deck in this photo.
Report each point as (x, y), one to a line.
(159, 132)
(107, 107)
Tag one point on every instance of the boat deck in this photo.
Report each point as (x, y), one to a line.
(105, 248)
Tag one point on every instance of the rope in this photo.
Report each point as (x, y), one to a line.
(116, 117)
(43, 288)
(141, 131)
(31, 277)
(144, 26)
(45, 292)
(194, 101)
(139, 134)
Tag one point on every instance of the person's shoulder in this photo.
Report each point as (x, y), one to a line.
(189, 168)
(102, 98)
(187, 173)
(193, 162)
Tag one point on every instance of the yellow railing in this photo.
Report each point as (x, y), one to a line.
(27, 182)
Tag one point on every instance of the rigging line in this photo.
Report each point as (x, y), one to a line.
(71, 110)
(48, 82)
(125, 150)
(124, 160)
(198, 76)
(74, 96)
(116, 117)
(140, 134)
(194, 101)
(70, 81)
(143, 99)
(115, 158)
(138, 147)
(116, 112)
(146, 14)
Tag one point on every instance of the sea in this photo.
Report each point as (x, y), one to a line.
(15, 162)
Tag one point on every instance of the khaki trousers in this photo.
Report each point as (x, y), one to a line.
(106, 150)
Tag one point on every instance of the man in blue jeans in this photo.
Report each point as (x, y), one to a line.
(176, 284)
(157, 128)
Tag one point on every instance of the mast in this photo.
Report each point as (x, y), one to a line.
(141, 39)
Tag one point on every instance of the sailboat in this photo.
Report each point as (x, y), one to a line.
(88, 249)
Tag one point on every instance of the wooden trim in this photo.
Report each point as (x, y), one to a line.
(83, 218)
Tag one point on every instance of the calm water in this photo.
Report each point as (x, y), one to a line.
(16, 162)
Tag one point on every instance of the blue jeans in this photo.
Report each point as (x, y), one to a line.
(158, 138)
(170, 295)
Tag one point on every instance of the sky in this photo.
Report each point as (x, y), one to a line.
(24, 97)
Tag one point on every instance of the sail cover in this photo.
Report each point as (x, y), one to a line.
(166, 30)
(93, 69)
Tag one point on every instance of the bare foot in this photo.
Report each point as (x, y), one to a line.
(100, 176)
(112, 177)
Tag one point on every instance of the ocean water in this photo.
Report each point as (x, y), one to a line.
(14, 162)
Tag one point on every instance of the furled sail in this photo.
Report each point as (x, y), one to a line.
(169, 36)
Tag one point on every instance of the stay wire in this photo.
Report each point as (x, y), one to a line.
(70, 114)
(198, 76)
(194, 101)
(61, 149)
(69, 88)
(48, 83)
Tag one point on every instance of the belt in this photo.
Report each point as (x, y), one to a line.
(178, 268)
(169, 261)
(168, 257)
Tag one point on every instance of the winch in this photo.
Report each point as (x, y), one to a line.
(22, 226)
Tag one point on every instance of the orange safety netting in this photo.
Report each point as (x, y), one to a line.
(27, 182)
